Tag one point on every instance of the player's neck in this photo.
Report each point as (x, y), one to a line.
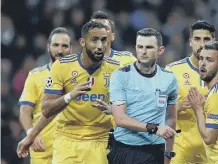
(87, 62)
(146, 69)
(212, 82)
(194, 61)
(108, 52)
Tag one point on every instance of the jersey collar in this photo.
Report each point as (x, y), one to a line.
(191, 65)
(89, 70)
(49, 66)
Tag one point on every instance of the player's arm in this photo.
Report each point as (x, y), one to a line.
(207, 125)
(118, 100)
(27, 102)
(27, 105)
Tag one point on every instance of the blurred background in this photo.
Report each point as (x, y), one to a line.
(26, 25)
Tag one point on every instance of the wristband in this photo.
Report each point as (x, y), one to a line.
(151, 128)
(28, 131)
(170, 155)
(67, 98)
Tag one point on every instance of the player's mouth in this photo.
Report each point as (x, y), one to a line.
(199, 50)
(202, 70)
(99, 53)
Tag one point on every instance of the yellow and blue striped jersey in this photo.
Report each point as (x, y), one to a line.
(32, 95)
(189, 141)
(211, 108)
(124, 57)
(80, 120)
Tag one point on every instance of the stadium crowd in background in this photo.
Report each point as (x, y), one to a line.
(26, 26)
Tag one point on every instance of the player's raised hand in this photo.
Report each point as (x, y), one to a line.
(38, 145)
(196, 99)
(165, 132)
(186, 104)
(80, 89)
(23, 147)
(101, 105)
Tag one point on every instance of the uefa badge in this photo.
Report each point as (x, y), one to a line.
(48, 82)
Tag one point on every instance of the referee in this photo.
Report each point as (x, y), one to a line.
(143, 97)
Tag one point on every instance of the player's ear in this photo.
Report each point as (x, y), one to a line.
(82, 42)
(190, 42)
(71, 49)
(48, 49)
(113, 36)
(161, 50)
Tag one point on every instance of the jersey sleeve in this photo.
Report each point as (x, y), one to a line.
(29, 94)
(212, 111)
(117, 88)
(173, 92)
(54, 83)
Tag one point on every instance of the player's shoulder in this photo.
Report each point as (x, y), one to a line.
(125, 68)
(165, 71)
(167, 74)
(111, 61)
(68, 58)
(39, 69)
(179, 63)
(214, 89)
(123, 53)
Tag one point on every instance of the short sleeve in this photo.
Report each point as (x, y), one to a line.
(212, 111)
(29, 94)
(117, 88)
(54, 83)
(173, 92)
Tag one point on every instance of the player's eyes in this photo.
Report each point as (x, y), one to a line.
(94, 40)
(104, 39)
(55, 45)
(207, 39)
(149, 47)
(65, 46)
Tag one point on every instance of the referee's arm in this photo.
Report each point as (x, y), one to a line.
(171, 117)
(125, 121)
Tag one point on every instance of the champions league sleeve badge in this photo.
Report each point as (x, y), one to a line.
(48, 82)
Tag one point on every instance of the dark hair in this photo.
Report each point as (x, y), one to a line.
(90, 25)
(59, 30)
(212, 45)
(202, 24)
(151, 32)
(103, 15)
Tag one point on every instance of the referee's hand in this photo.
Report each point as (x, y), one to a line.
(165, 132)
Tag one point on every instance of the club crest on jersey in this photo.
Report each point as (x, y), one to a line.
(74, 73)
(186, 75)
(107, 79)
(48, 82)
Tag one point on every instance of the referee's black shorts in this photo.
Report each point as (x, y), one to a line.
(127, 154)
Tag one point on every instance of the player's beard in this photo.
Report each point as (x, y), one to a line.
(93, 57)
(53, 59)
(210, 76)
(197, 53)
